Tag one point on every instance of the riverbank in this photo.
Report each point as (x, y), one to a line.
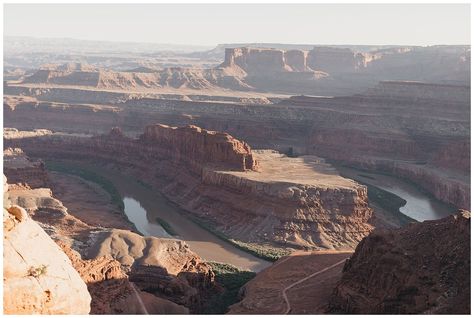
(403, 200)
(209, 246)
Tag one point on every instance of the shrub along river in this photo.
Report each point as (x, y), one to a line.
(154, 215)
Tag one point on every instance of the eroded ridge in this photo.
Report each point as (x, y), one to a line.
(238, 192)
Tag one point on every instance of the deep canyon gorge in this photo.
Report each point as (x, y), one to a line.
(258, 180)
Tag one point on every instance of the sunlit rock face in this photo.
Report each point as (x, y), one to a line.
(250, 196)
(38, 278)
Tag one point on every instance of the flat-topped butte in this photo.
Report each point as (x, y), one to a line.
(310, 170)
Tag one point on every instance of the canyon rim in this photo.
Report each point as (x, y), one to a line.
(296, 168)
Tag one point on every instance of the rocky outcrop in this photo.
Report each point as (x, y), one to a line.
(108, 260)
(166, 268)
(423, 268)
(322, 70)
(259, 60)
(292, 202)
(38, 278)
(171, 78)
(431, 64)
(417, 123)
(198, 147)
(447, 186)
(106, 281)
(111, 290)
(335, 60)
(296, 60)
(18, 167)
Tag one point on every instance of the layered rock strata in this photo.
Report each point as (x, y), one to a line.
(197, 147)
(423, 268)
(38, 278)
(219, 179)
(424, 127)
(108, 260)
(19, 168)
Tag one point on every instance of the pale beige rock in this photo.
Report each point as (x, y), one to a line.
(38, 278)
(19, 213)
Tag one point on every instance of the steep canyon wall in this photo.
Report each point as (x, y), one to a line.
(221, 181)
(422, 125)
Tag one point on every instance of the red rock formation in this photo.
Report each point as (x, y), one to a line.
(105, 266)
(174, 77)
(335, 60)
(214, 176)
(421, 268)
(106, 281)
(424, 124)
(253, 61)
(18, 168)
(200, 147)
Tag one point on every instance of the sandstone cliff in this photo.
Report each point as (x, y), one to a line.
(288, 202)
(173, 78)
(200, 147)
(175, 279)
(260, 60)
(38, 278)
(423, 268)
(424, 126)
(166, 268)
(335, 60)
(19, 168)
(322, 70)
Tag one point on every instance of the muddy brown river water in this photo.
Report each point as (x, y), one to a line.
(147, 209)
(143, 206)
(420, 206)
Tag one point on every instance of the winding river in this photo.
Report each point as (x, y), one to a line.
(419, 206)
(145, 208)
(148, 209)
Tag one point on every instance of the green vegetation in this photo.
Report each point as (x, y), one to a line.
(231, 279)
(88, 175)
(165, 225)
(268, 253)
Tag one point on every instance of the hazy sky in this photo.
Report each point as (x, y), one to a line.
(210, 24)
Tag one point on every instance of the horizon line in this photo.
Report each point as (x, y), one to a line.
(217, 44)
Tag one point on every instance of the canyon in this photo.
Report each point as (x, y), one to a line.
(413, 278)
(149, 175)
(396, 271)
(219, 179)
(388, 128)
(290, 70)
(121, 268)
